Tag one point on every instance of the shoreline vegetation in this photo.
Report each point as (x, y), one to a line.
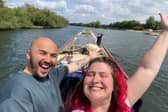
(150, 27)
(29, 17)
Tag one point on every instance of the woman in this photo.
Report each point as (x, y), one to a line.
(104, 88)
(102, 82)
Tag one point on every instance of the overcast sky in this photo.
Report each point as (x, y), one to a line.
(105, 11)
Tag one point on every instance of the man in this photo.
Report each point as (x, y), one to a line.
(36, 88)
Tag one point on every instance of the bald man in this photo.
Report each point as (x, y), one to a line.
(36, 88)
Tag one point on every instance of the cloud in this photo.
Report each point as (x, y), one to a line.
(53, 5)
(85, 9)
(50, 4)
(105, 11)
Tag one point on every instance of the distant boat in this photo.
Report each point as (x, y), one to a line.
(155, 33)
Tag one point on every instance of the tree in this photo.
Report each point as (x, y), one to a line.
(29, 17)
(152, 24)
(1, 3)
(94, 24)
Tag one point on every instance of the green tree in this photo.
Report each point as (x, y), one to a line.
(29, 17)
(96, 24)
(7, 19)
(1, 3)
(22, 18)
(46, 18)
(151, 23)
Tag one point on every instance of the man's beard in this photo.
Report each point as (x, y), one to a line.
(40, 64)
(32, 66)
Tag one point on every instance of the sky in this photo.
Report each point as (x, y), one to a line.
(105, 11)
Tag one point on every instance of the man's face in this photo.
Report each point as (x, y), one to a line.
(42, 57)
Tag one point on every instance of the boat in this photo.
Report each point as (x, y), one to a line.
(77, 49)
(78, 46)
(151, 33)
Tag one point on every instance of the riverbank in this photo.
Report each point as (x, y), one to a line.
(155, 33)
(31, 27)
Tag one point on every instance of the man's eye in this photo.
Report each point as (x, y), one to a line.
(42, 52)
(54, 55)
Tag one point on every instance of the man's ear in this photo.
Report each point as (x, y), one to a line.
(28, 54)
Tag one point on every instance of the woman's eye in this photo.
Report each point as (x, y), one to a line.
(89, 74)
(104, 74)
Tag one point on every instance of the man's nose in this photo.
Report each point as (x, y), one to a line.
(48, 58)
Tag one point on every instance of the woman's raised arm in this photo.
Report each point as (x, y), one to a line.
(150, 64)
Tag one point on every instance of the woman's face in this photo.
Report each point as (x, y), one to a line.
(98, 82)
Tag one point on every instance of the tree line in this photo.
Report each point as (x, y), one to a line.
(150, 23)
(28, 16)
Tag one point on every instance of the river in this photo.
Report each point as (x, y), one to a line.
(127, 47)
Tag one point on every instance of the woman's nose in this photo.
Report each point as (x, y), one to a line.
(96, 77)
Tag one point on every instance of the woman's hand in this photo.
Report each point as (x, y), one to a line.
(164, 21)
